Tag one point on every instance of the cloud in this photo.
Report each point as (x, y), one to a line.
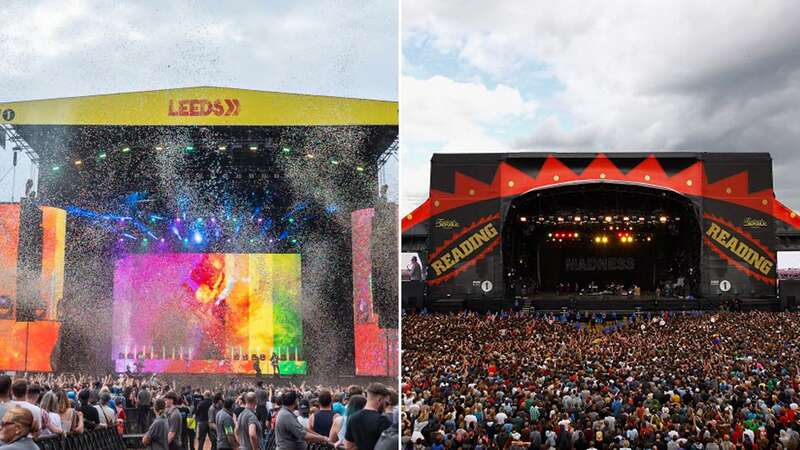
(710, 76)
(446, 115)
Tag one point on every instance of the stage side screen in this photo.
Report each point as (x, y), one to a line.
(9, 252)
(376, 348)
(207, 313)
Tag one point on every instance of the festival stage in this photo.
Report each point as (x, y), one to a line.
(201, 231)
(617, 231)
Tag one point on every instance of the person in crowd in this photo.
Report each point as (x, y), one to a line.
(91, 418)
(19, 392)
(339, 429)
(364, 428)
(143, 401)
(250, 430)
(122, 416)
(5, 393)
(201, 414)
(174, 420)
(289, 433)
(321, 421)
(71, 419)
(107, 416)
(50, 417)
(226, 437)
(18, 426)
(156, 437)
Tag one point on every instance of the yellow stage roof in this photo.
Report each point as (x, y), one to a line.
(205, 106)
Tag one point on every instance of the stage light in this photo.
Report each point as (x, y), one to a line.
(78, 162)
(597, 239)
(190, 148)
(576, 234)
(310, 155)
(359, 168)
(523, 219)
(102, 156)
(294, 241)
(648, 239)
(162, 240)
(560, 219)
(286, 150)
(159, 147)
(222, 148)
(253, 147)
(662, 219)
(605, 239)
(608, 218)
(126, 149)
(549, 234)
(334, 162)
(577, 218)
(626, 218)
(185, 241)
(291, 219)
(198, 238)
(56, 168)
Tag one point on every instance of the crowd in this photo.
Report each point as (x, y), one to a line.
(511, 380)
(233, 415)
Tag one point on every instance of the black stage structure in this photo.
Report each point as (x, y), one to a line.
(593, 231)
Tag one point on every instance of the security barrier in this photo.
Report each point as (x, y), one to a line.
(105, 439)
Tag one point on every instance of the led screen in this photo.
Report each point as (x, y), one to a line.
(207, 313)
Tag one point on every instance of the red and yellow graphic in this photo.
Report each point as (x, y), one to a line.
(739, 248)
(28, 346)
(464, 249)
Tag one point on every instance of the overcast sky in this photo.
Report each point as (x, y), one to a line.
(600, 76)
(64, 48)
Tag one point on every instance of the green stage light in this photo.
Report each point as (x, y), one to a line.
(286, 150)
(334, 162)
(102, 155)
(291, 219)
(190, 148)
(56, 168)
(126, 149)
(359, 168)
(294, 241)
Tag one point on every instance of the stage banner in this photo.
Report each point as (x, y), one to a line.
(9, 254)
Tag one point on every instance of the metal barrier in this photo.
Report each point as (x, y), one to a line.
(105, 439)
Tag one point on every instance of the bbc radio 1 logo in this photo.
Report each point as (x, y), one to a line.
(8, 115)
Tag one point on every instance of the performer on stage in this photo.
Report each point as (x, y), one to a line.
(275, 366)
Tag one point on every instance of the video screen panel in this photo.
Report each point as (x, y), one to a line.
(207, 313)
(36, 345)
(9, 252)
(376, 348)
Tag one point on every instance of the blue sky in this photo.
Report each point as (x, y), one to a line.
(599, 76)
(55, 48)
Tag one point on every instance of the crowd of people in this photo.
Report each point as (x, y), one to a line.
(238, 414)
(511, 380)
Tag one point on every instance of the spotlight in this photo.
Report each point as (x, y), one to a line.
(576, 234)
(560, 219)
(126, 149)
(78, 162)
(605, 239)
(222, 148)
(56, 168)
(159, 147)
(190, 148)
(577, 218)
(198, 238)
(626, 218)
(334, 162)
(648, 239)
(608, 218)
(523, 219)
(359, 168)
(662, 219)
(253, 147)
(597, 239)
(102, 156)
(549, 234)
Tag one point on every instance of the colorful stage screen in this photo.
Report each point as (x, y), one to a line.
(207, 313)
(35, 343)
(54, 229)
(376, 348)
(9, 252)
